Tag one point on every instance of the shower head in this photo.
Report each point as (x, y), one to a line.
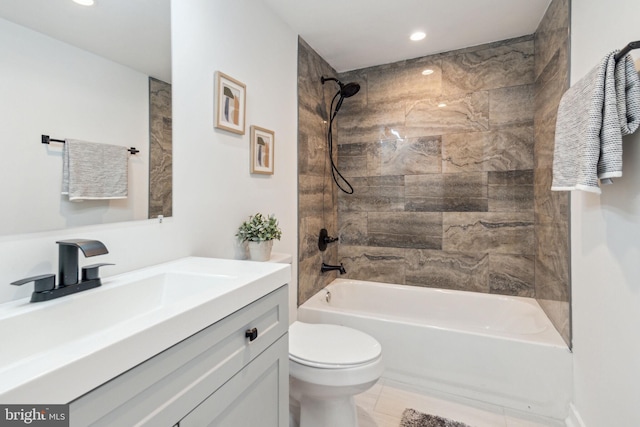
(346, 90)
(349, 89)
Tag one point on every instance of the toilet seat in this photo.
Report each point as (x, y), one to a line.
(327, 346)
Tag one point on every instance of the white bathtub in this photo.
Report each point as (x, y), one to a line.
(496, 349)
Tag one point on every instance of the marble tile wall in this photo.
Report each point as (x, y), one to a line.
(160, 149)
(453, 196)
(444, 195)
(552, 278)
(317, 199)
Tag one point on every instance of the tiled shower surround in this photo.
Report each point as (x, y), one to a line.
(442, 168)
(450, 173)
(160, 149)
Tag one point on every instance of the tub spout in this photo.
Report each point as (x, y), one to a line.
(327, 267)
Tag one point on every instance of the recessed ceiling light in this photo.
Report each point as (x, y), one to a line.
(418, 35)
(85, 2)
(427, 72)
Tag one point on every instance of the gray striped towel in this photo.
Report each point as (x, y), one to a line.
(593, 116)
(92, 171)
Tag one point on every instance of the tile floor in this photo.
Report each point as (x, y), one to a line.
(383, 404)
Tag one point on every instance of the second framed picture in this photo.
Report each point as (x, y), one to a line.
(262, 150)
(230, 103)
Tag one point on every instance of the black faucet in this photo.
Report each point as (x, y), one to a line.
(327, 267)
(69, 283)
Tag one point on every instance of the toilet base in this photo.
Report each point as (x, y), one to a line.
(311, 405)
(326, 412)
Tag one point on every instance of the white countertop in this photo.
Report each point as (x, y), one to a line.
(61, 349)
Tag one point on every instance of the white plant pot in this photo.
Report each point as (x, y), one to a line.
(260, 251)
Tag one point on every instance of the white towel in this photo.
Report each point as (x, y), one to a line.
(92, 171)
(593, 116)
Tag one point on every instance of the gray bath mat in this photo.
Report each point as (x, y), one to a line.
(413, 418)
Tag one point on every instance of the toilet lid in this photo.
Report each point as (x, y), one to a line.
(330, 346)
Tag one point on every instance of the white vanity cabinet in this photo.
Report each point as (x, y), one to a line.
(216, 377)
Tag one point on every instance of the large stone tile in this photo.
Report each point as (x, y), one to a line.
(460, 192)
(312, 143)
(354, 159)
(310, 280)
(308, 205)
(559, 312)
(552, 83)
(312, 94)
(160, 149)
(458, 185)
(420, 86)
(511, 106)
(550, 206)
(358, 100)
(405, 229)
(385, 193)
(511, 191)
(373, 122)
(353, 228)
(552, 262)
(460, 113)
(544, 134)
(410, 156)
(509, 148)
(512, 275)
(350, 166)
(308, 238)
(552, 33)
(491, 68)
(511, 177)
(440, 269)
(492, 232)
(359, 159)
(387, 83)
(375, 264)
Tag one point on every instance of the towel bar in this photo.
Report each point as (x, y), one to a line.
(631, 46)
(46, 139)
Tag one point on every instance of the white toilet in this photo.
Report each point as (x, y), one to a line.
(328, 365)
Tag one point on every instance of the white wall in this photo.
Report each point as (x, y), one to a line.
(605, 246)
(245, 40)
(50, 87)
(213, 190)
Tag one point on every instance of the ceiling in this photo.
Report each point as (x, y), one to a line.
(135, 33)
(354, 34)
(349, 34)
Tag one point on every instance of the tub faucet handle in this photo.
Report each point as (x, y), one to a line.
(324, 239)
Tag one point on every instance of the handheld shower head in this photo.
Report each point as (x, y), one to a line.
(346, 90)
(349, 89)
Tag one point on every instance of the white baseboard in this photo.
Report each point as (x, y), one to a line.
(574, 419)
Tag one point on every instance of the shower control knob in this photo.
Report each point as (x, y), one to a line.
(252, 334)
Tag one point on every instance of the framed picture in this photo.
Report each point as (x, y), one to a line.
(231, 104)
(262, 143)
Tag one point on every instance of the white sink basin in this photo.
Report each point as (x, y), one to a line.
(60, 349)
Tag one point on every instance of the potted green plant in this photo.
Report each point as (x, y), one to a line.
(258, 233)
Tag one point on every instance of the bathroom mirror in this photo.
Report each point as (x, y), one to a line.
(87, 73)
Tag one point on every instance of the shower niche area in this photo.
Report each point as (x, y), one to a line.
(449, 157)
